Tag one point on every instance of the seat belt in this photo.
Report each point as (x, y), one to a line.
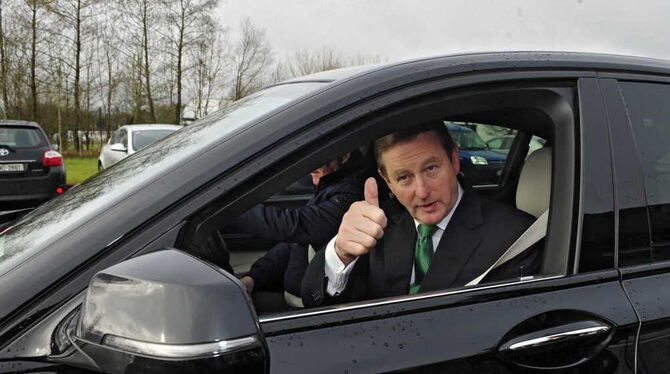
(532, 235)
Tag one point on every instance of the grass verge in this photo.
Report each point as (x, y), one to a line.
(80, 168)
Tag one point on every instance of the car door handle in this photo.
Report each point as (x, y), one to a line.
(557, 347)
(559, 337)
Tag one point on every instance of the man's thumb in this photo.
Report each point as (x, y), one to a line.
(371, 193)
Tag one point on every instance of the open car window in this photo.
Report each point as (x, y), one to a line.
(520, 123)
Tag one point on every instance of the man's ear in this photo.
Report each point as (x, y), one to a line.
(455, 161)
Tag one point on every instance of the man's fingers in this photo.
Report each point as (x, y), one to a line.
(371, 228)
(370, 192)
(376, 215)
(350, 249)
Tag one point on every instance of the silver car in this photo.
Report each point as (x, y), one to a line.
(129, 139)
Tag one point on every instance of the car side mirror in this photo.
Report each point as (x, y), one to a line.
(168, 312)
(118, 147)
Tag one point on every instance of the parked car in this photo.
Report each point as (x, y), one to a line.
(503, 144)
(129, 139)
(110, 276)
(479, 163)
(31, 170)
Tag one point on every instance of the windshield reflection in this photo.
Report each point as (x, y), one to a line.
(91, 198)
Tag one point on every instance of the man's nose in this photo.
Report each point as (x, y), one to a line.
(421, 188)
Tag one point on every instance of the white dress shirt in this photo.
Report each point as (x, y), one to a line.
(338, 274)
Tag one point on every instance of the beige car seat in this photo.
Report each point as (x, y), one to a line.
(532, 196)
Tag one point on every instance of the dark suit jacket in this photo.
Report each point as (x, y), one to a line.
(477, 235)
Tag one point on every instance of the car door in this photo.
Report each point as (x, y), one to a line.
(580, 322)
(639, 116)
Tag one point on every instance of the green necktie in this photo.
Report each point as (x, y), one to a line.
(423, 252)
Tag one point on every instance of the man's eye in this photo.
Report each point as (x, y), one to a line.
(432, 168)
(402, 178)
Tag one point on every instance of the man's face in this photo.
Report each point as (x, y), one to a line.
(324, 170)
(422, 177)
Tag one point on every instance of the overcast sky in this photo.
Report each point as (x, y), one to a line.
(404, 29)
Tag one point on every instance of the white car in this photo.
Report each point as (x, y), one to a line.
(129, 139)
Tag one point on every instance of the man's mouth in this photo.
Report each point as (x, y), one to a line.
(428, 206)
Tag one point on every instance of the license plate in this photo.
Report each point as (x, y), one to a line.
(11, 168)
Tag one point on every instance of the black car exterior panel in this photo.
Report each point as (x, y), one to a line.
(645, 282)
(39, 186)
(460, 335)
(36, 282)
(37, 183)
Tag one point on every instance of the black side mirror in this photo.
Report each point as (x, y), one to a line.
(168, 312)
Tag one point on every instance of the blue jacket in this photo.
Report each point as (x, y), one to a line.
(315, 223)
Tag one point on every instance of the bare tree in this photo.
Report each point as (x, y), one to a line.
(188, 21)
(77, 27)
(110, 77)
(251, 58)
(207, 71)
(83, 65)
(3, 62)
(141, 16)
(305, 62)
(36, 8)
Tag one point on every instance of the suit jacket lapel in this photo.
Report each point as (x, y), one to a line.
(457, 245)
(398, 247)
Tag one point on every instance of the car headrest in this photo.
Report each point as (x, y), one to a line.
(534, 188)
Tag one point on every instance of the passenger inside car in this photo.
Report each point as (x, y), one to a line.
(274, 279)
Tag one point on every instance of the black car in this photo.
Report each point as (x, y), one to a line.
(118, 274)
(31, 171)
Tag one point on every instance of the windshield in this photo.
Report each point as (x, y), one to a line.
(468, 140)
(21, 137)
(143, 138)
(83, 202)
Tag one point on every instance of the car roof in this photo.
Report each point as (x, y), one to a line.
(474, 62)
(151, 126)
(12, 122)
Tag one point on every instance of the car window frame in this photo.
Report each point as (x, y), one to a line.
(273, 320)
(409, 303)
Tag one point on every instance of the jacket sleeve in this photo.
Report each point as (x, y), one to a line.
(310, 224)
(268, 271)
(313, 290)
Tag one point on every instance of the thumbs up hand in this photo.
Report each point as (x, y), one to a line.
(362, 225)
(371, 192)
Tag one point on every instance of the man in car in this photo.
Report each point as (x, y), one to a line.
(438, 236)
(337, 184)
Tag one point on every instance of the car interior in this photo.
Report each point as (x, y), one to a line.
(525, 180)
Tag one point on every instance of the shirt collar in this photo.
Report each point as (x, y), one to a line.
(445, 221)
